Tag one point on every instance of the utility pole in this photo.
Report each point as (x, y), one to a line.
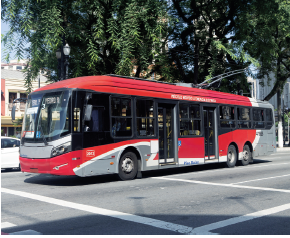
(280, 134)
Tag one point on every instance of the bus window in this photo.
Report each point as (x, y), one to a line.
(145, 118)
(244, 117)
(269, 118)
(77, 119)
(258, 117)
(121, 117)
(227, 117)
(190, 119)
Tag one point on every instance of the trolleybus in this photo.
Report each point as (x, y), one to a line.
(111, 124)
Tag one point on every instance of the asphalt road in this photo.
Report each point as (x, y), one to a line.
(204, 199)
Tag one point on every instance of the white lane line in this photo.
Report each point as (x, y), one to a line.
(6, 225)
(105, 212)
(26, 232)
(263, 179)
(224, 185)
(227, 169)
(205, 230)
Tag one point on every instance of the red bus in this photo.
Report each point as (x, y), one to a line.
(111, 124)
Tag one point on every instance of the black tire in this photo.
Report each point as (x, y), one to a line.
(247, 156)
(232, 156)
(19, 168)
(128, 166)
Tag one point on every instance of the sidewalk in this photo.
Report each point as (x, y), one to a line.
(286, 148)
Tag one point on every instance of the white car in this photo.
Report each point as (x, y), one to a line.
(10, 153)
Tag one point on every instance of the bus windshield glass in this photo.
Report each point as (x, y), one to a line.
(47, 117)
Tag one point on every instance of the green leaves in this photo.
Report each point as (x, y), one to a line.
(105, 36)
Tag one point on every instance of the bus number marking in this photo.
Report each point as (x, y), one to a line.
(90, 153)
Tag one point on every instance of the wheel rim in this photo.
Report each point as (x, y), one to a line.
(127, 165)
(231, 156)
(246, 155)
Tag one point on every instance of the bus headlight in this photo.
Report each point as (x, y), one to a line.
(61, 149)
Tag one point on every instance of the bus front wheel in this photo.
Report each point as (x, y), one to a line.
(128, 166)
(232, 156)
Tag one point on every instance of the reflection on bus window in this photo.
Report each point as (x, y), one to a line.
(77, 121)
(145, 118)
(190, 120)
(121, 117)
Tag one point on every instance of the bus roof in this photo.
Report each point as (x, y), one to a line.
(147, 88)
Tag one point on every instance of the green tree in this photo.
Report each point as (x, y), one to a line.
(106, 36)
(202, 42)
(268, 40)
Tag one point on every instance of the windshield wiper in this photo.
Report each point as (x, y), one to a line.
(42, 135)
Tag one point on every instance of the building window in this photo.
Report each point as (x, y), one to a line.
(18, 67)
(227, 117)
(12, 96)
(22, 104)
(190, 120)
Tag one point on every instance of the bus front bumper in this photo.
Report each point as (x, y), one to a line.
(59, 165)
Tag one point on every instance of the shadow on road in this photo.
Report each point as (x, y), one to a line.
(53, 180)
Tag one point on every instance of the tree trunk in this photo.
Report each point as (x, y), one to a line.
(196, 59)
(279, 109)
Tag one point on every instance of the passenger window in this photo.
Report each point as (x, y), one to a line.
(227, 117)
(145, 117)
(77, 119)
(121, 117)
(121, 107)
(258, 117)
(244, 117)
(190, 120)
(269, 118)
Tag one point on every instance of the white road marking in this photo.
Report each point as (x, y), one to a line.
(115, 214)
(262, 179)
(226, 169)
(26, 232)
(6, 225)
(224, 185)
(205, 230)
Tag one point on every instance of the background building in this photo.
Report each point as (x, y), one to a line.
(260, 92)
(12, 87)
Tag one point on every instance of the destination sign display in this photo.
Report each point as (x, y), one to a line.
(192, 98)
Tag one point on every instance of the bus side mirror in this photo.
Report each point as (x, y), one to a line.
(88, 112)
(13, 113)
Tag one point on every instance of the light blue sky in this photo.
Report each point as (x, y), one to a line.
(4, 29)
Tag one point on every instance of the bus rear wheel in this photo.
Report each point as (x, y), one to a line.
(128, 166)
(232, 156)
(247, 155)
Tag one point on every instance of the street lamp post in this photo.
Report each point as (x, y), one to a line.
(62, 55)
(66, 51)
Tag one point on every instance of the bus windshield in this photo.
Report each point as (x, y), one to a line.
(47, 115)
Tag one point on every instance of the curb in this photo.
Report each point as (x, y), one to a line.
(283, 149)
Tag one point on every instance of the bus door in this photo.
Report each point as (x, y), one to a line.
(167, 134)
(210, 133)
